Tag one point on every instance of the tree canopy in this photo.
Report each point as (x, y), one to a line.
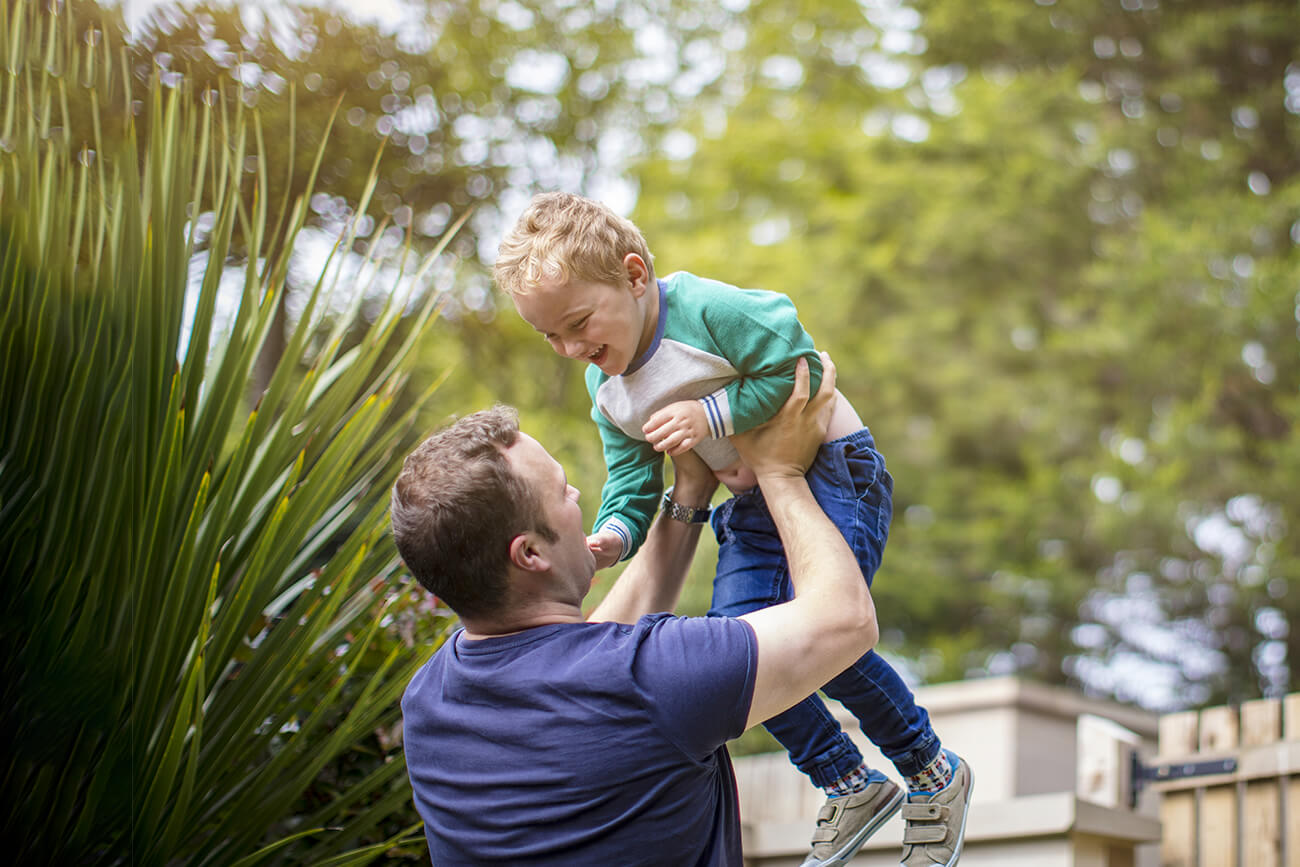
(1052, 247)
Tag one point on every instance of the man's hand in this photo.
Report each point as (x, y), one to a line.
(607, 548)
(787, 444)
(677, 428)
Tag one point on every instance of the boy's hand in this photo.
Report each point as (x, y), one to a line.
(607, 548)
(678, 427)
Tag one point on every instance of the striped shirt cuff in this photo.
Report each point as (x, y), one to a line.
(618, 528)
(717, 410)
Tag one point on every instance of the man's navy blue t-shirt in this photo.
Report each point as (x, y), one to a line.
(583, 743)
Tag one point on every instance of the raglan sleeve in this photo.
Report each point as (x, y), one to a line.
(633, 484)
(760, 334)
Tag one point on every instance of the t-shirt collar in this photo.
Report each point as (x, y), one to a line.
(659, 332)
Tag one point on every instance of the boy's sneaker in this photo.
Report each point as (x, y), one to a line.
(846, 821)
(936, 821)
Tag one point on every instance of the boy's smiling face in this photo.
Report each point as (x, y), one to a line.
(605, 325)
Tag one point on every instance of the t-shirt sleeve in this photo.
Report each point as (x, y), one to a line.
(697, 677)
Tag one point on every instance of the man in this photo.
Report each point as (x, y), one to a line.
(538, 735)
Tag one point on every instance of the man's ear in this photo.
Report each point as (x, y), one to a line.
(526, 555)
(638, 272)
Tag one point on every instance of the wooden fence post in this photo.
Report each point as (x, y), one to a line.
(1261, 724)
(1218, 836)
(1178, 733)
(1290, 785)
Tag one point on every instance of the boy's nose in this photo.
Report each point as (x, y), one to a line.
(573, 349)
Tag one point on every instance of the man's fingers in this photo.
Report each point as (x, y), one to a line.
(826, 391)
(828, 374)
(800, 391)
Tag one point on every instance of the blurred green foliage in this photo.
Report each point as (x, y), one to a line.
(1053, 249)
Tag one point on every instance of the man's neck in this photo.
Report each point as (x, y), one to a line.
(477, 629)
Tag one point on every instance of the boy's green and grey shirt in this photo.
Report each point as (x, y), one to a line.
(734, 350)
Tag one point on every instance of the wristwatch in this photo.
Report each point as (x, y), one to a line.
(685, 514)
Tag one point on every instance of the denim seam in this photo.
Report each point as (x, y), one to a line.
(922, 748)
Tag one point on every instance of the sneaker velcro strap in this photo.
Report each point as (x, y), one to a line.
(913, 834)
(926, 812)
(824, 835)
(830, 813)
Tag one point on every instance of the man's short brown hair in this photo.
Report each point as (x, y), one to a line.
(564, 237)
(457, 505)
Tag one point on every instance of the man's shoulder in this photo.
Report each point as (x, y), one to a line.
(695, 643)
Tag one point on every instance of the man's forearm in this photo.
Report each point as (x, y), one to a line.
(830, 622)
(821, 563)
(654, 578)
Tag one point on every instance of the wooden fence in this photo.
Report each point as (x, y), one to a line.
(1055, 775)
(1248, 817)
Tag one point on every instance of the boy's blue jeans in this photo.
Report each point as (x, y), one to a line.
(852, 486)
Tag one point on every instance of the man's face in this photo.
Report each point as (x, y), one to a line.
(570, 557)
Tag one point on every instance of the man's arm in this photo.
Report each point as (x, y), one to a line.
(831, 621)
(653, 580)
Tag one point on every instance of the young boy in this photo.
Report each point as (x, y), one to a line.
(682, 363)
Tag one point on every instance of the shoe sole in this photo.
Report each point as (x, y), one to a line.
(846, 854)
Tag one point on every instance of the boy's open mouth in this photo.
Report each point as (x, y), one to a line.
(598, 356)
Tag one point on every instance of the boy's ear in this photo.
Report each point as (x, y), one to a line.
(526, 555)
(638, 273)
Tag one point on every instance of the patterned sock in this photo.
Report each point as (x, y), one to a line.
(854, 781)
(933, 776)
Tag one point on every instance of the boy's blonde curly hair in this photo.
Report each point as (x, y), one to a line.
(564, 237)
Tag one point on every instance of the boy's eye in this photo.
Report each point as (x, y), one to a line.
(581, 323)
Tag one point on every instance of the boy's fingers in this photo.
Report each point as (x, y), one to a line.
(679, 446)
(670, 442)
(656, 426)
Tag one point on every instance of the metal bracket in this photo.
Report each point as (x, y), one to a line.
(1141, 774)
